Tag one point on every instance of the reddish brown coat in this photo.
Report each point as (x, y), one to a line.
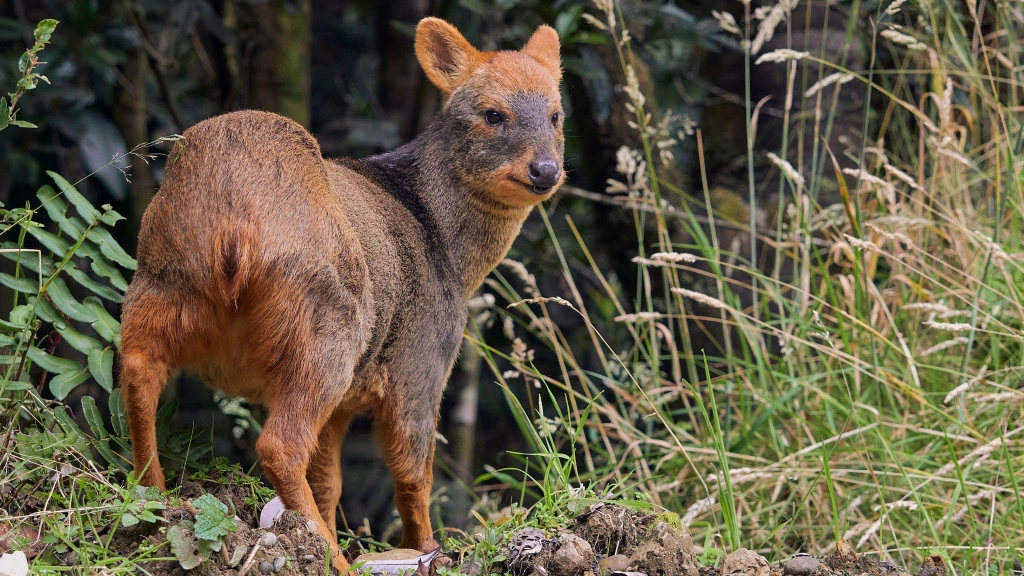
(322, 289)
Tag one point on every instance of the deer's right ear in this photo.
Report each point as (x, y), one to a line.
(445, 55)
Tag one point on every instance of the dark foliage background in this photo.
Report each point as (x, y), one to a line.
(126, 72)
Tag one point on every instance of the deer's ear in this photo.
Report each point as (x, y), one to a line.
(544, 48)
(445, 55)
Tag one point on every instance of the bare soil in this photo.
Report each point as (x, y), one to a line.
(304, 551)
(607, 540)
(616, 541)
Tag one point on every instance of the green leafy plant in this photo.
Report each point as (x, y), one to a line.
(42, 293)
(193, 542)
(141, 504)
(29, 78)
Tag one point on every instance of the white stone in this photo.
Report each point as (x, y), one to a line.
(15, 564)
(271, 512)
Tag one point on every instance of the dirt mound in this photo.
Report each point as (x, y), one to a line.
(288, 548)
(612, 530)
(606, 540)
(611, 540)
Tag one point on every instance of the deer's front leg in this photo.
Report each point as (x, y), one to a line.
(405, 427)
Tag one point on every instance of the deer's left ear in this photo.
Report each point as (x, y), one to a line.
(544, 48)
(445, 55)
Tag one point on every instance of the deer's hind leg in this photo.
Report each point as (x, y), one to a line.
(160, 329)
(306, 334)
(324, 471)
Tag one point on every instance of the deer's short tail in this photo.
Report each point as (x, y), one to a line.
(233, 255)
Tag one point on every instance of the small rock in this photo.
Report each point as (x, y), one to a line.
(311, 526)
(71, 558)
(271, 512)
(265, 567)
(526, 543)
(801, 566)
(269, 539)
(300, 550)
(933, 565)
(665, 549)
(15, 564)
(616, 563)
(845, 551)
(574, 555)
(279, 564)
(308, 558)
(744, 562)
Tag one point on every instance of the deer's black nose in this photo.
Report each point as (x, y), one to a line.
(544, 174)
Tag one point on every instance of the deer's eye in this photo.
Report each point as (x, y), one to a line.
(555, 117)
(494, 118)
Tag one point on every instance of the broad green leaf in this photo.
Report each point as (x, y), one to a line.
(67, 423)
(23, 123)
(104, 325)
(128, 520)
(111, 216)
(149, 493)
(46, 311)
(11, 327)
(103, 266)
(23, 285)
(110, 248)
(105, 292)
(107, 270)
(23, 314)
(101, 365)
(94, 418)
(79, 341)
(61, 297)
(56, 209)
(118, 417)
(53, 364)
(44, 29)
(212, 522)
(58, 246)
(82, 206)
(148, 516)
(62, 384)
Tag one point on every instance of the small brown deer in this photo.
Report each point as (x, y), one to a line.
(322, 289)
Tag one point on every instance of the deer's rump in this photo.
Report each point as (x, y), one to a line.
(244, 251)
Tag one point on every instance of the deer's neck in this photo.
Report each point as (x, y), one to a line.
(473, 231)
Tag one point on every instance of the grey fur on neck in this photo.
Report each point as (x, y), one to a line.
(466, 233)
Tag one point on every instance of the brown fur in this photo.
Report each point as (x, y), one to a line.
(324, 289)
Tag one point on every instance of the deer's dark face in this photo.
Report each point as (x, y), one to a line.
(503, 116)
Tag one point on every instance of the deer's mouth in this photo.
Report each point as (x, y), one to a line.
(538, 190)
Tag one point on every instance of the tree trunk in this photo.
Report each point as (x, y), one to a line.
(130, 116)
(278, 37)
(399, 74)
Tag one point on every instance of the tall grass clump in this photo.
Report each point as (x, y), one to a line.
(860, 377)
